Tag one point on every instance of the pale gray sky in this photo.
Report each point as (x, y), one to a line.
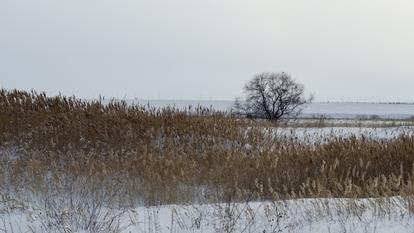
(351, 50)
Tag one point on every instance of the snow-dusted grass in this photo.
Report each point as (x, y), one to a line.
(72, 166)
(303, 215)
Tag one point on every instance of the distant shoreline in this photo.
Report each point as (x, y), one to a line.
(315, 102)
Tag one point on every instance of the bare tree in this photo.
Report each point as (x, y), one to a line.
(272, 96)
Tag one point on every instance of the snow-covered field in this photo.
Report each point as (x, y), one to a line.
(320, 135)
(386, 215)
(307, 215)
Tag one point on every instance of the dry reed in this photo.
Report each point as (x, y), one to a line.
(193, 155)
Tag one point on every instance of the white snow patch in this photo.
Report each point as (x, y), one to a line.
(302, 216)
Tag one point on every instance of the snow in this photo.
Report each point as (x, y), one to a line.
(357, 110)
(302, 216)
(388, 215)
(318, 135)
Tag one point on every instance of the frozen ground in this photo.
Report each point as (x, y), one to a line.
(360, 110)
(302, 216)
(318, 135)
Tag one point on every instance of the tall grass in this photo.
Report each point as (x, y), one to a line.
(193, 155)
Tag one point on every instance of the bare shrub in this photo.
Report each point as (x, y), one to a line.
(272, 96)
(78, 204)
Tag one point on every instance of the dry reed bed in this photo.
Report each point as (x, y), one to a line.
(174, 156)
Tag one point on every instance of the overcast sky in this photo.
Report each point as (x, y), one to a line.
(342, 50)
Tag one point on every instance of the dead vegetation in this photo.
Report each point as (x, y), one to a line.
(167, 155)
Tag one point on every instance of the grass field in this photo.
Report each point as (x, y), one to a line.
(86, 164)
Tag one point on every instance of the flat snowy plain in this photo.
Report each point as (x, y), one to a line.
(304, 216)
